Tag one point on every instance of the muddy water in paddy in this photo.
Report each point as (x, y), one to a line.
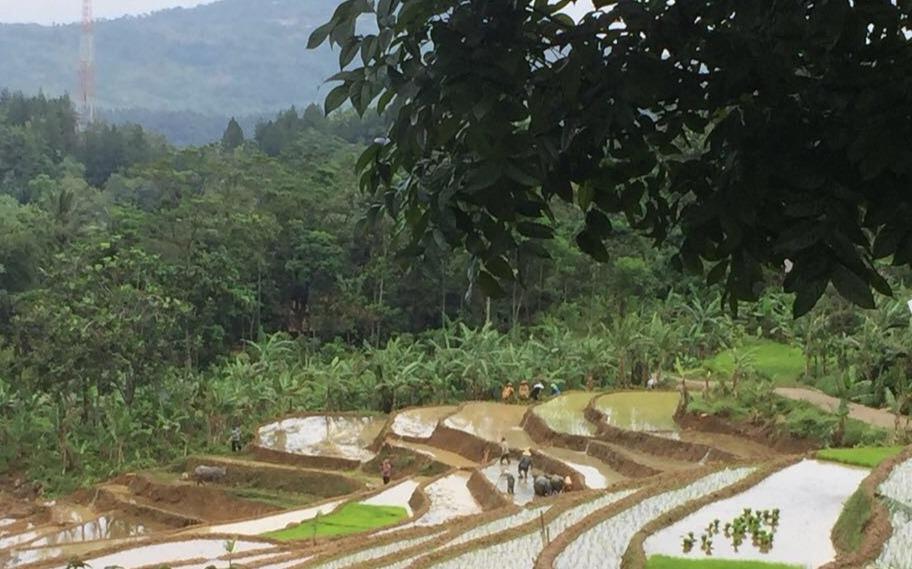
(564, 414)
(440, 455)
(523, 491)
(420, 423)
(342, 437)
(809, 495)
(649, 411)
(450, 499)
(491, 421)
(596, 473)
(398, 495)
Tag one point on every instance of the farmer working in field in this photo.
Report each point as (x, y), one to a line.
(537, 390)
(511, 482)
(525, 463)
(386, 471)
(504, 451)
(236, 444)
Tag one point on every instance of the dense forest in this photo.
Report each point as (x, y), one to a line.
(153, 297)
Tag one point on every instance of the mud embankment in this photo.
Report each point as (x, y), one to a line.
(878, 529)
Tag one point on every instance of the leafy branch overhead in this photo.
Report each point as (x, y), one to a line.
(764, 131)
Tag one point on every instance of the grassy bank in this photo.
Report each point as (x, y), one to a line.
(781, 363)
(663, 562)
(869, 457)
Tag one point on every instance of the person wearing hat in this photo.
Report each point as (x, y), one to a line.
(507, 393)
(537, 390)
(525, 464)
(504, 451)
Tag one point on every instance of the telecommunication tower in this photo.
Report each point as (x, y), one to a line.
(87, 66)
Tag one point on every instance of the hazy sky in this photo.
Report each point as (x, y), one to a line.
(65, 11)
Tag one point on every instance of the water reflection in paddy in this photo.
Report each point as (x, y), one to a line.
(565, 414)
(420, 423)
(649, 411)
(343, 437)
(810, 496)
(491, 421)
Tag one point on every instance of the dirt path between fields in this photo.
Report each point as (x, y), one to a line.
(876, 417)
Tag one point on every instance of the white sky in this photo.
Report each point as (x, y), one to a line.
(66, 11)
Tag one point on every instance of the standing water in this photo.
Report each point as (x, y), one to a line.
(648, 411)
(420, 423)
(565, 414)
(341, 437)
(809, 496)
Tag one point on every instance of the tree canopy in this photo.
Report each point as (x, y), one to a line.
(749, 133)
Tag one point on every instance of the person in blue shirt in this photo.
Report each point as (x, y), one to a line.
(555, 390)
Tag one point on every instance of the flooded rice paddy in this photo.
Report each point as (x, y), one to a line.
(596, 473)
(809, 495)
(341, 437)
(171, 552)
(438, 454)
(523, 493)
(491, 421)
(275, 522)
(450, 499)
(398, 495)
(565, 414)
(648, 411)
(420, 423)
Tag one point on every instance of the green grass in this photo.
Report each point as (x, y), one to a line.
(783, 364)
(849, 528)
(350, 519)
(861, 456)
(277, 498)
(663, 562)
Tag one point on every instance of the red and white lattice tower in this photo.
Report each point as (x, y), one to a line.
(87, 66)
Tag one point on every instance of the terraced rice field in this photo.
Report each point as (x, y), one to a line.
(604, 544)
(897, 490)
(419, 423)
(457, 521)
(342, 437)
(564, 414)
(491, 421)
(809, 495)
(651, 411)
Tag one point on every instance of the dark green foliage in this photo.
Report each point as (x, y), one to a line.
(764, 134)
(233, 136)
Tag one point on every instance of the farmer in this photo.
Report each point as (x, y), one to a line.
(386, 471)
(555, 390)
(511, 482)
(653, 382)
(504, 451)
(508, 392)
(525, 463)
(537, 390)
(524, 390)
(236, 445)
(542, 486)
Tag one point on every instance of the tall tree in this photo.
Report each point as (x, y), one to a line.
(765, 131)
(234, 135)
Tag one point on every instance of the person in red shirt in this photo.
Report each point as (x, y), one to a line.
(386, 471)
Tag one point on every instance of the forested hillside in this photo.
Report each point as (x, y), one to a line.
(151, 297)
(182, 72)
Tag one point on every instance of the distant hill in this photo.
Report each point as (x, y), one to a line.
(234, 57)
